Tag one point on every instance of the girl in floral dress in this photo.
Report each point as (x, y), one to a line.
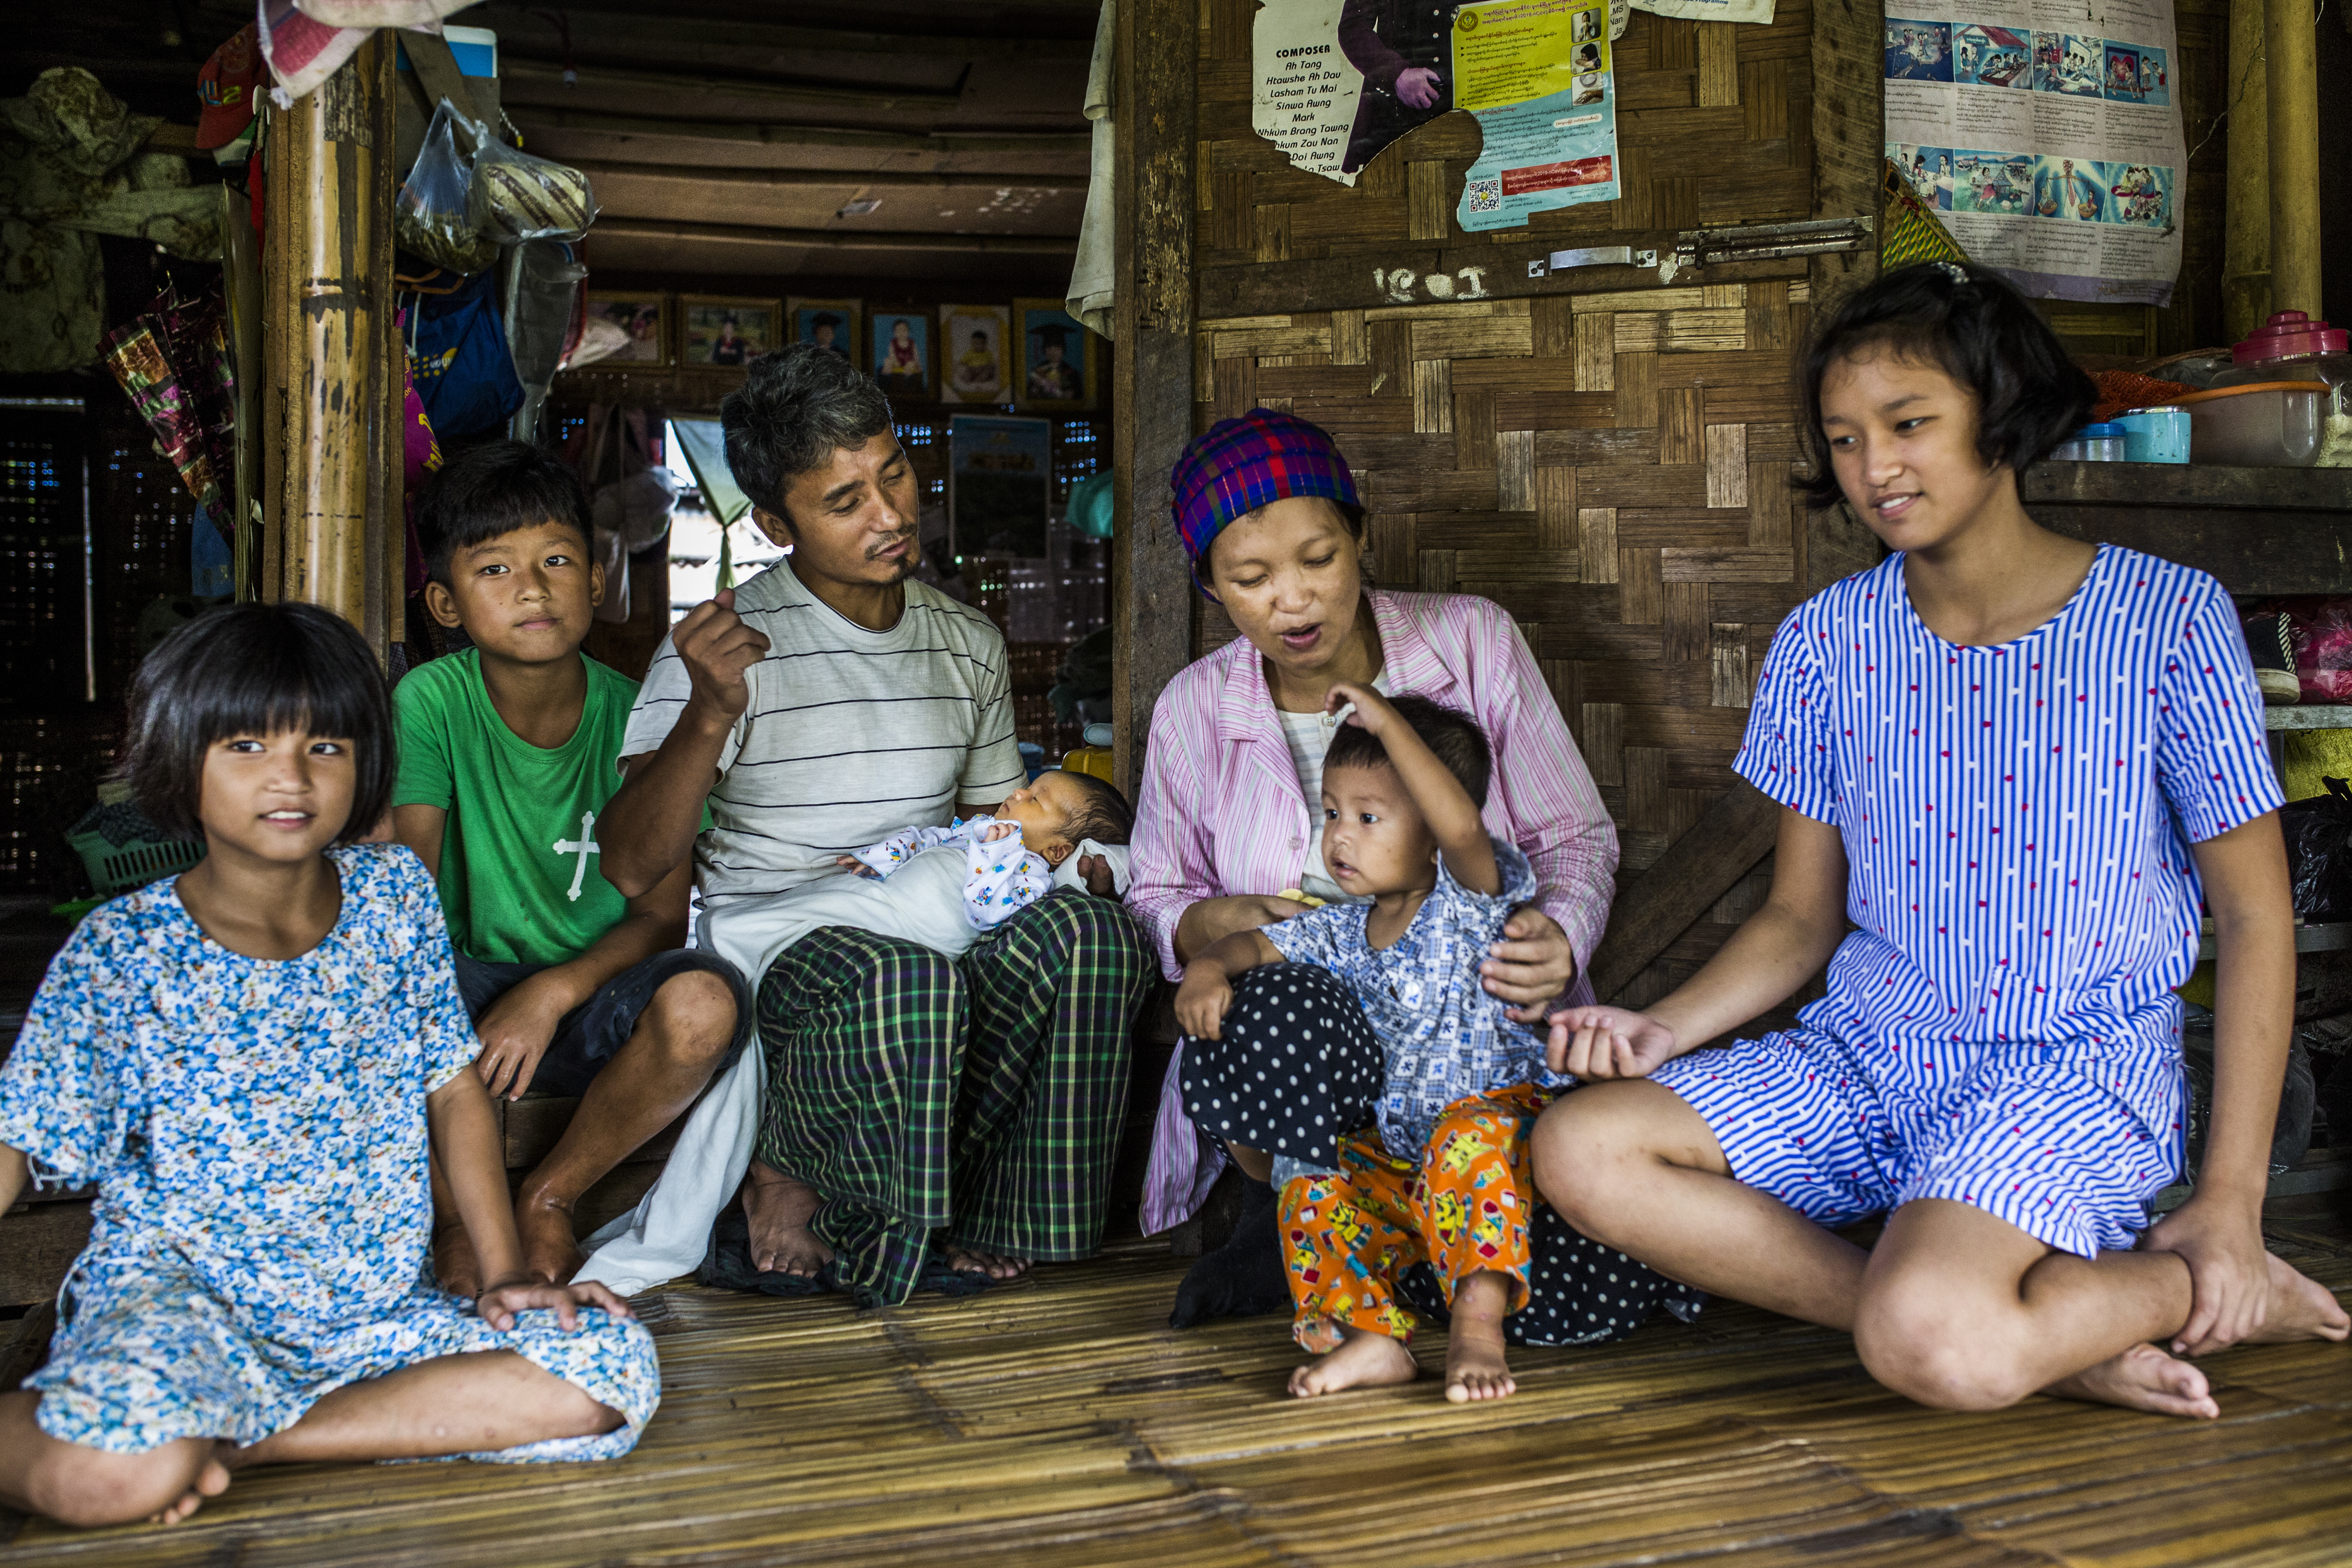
(248, 1060)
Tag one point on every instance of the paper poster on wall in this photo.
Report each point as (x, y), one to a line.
(1757, 11)
(2046, 136)
(1539, 76)
(1307, 90)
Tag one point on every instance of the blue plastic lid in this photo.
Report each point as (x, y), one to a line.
(2099, 432)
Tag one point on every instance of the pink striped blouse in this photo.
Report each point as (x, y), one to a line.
(1221, 811)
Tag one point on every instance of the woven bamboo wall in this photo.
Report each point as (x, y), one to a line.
(1612, 467)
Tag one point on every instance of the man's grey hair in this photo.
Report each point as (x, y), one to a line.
(795, 408)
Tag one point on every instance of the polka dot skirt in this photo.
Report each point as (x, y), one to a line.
(1298, 1067)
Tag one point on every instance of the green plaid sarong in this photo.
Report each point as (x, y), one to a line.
(980, 1096)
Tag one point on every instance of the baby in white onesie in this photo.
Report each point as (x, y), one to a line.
(1010, 859)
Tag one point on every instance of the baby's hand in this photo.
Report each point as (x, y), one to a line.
(1201, 1001)
(1608, 1042)
(498, 1303)
(853, 865)
(997, 830)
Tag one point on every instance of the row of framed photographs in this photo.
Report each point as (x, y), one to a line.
(1031, 353)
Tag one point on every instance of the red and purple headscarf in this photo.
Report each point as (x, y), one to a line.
(1240, 465)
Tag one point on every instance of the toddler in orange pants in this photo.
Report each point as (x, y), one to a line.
(1346, 1237)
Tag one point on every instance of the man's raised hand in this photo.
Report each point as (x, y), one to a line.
(1608, 1042)
(717, 647)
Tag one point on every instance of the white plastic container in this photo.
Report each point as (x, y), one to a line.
(2092, 443)
(2271, 425)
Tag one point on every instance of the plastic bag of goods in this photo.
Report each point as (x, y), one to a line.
(429, 217)
(516, 196)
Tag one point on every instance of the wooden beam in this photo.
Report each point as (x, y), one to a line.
(2246, 204)
(1431, 275)
(820, 179)
(328, 349)
(515, 72)
(835, 238)
(1152, 583)
(1077, 145)
(2291, 47)
(1695, 870)
(1849, 161)
(593, 26)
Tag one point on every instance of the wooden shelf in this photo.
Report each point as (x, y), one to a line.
(2307, 939)
(2260, 530)
(2319, 1171)
(2307, 716)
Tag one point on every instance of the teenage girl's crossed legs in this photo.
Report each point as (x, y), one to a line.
(1954, 1307)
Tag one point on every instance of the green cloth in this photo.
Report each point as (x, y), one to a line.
(979, 1096)
(507, 890)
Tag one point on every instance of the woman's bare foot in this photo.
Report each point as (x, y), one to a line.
(1366, 1360)
(779, 1208)
(2143, 1378)
(1475, 1364)
(454, 1263)
(2301, 1309)
(212, 1480)
(995, 1264)
(550, 1247)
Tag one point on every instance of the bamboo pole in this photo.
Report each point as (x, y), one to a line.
(327, 344)
(2293, 47)
(2246, 243)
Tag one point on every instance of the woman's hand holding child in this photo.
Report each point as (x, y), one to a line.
(1609, 1042)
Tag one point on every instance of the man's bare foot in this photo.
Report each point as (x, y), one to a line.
(550, 1247)
(995, 1264)
(454, 1263)
(211, 1480)
(779, 1208)
(1475, 1364)
(2143, 1378)
(2301, 1309)
(1366, 1360)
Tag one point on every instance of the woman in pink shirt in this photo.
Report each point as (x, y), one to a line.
(1230, 819)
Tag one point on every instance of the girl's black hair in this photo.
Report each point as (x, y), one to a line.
(255, 669)
(1970, 324)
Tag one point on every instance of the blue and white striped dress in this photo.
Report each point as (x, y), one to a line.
(2001, 1030)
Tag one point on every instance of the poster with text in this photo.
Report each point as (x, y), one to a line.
(2046, 134)
(1538, 75)
(1306, 90)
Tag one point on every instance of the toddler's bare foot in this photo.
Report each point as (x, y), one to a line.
(1475, 1364)
(779, 1208)
(1366, 1360)
(2143, 1378)
(454, 1263)
(2301, 1309)
(212, 1480)
(995, 1264)
(550, 1247)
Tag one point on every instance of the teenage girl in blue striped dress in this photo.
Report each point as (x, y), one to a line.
(2012, 763)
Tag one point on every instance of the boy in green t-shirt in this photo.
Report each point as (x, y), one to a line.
(507, 752)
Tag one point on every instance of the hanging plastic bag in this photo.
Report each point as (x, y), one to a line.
(430, 217)
(515, 196)
(2319, 852)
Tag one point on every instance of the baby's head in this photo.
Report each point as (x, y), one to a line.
(1062, 810)
(1375, 839)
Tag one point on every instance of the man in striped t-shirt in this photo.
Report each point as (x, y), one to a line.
(824, 705)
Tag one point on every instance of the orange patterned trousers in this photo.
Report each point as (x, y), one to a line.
(1460, 1207)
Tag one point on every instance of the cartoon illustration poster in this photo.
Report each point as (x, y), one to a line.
(2046, 135)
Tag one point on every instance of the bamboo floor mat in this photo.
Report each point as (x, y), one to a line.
(1058, 1423)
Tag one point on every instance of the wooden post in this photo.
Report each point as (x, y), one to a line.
(2293, 47)
(330, 418)
(2246, 243)
(1151, 584)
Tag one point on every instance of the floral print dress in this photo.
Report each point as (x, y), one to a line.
(256, 1131)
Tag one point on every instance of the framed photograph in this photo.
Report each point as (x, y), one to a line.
(975, 354)
(643, 320)
(830, 325)
(1057, 359)
(720, 332)
(900, 342)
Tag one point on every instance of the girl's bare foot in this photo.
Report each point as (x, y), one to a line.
(2301, 1309)
(1366, 1360)
(2143, 1378)
(211, 1480)
(779, 1208)
(995, 1264)
(454, 1263)
(1475, 1364)
(550, 1247)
